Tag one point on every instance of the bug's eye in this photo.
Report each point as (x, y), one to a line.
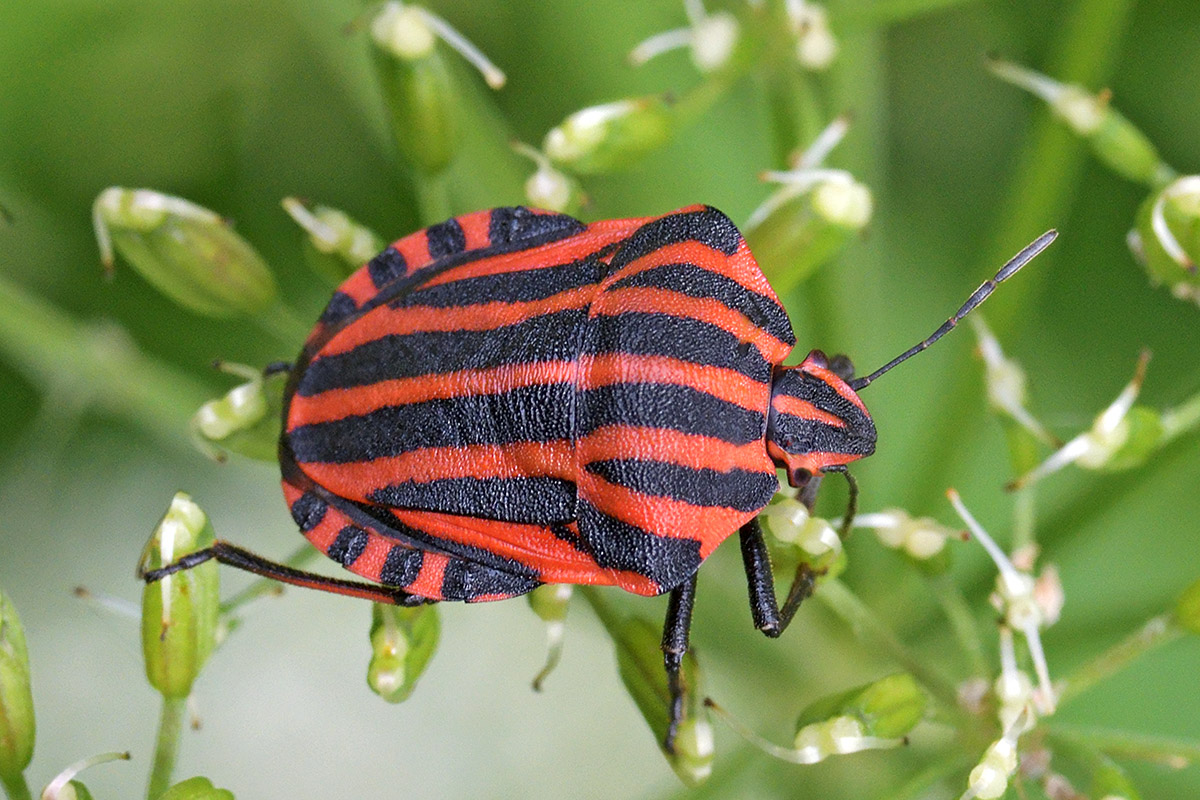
(842, 366)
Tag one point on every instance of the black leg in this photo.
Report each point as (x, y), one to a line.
(760, 580)
(674, 646)
(243, 559)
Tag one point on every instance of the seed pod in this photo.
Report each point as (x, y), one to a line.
(888, 708)
(612, 136)
(336, 244)
(187, 252)
(402, 642)
(179, 612)
(17, 726)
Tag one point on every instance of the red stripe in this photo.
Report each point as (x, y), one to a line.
(787, 404)
(676, 447)
(720, 382)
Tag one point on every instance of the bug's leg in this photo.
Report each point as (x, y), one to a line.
(234, 556)
(674, 646)
(760, 581)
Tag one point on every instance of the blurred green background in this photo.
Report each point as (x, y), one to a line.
(237, 104)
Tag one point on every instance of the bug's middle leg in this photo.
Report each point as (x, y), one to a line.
(674, 646)
(769, 617)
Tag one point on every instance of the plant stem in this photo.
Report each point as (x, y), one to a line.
(1039, 195)
(1174, 753)
(962, 622)
(871, 631)
(166, 747)
(1156, 632)
(15, 787)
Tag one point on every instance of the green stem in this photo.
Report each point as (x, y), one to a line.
(166, 746)
(871, 631)
(1039, 195)
(1156, 632)
(1174, 753)
(962, 622)
(97, 362)
(15, 787)
(303, 554)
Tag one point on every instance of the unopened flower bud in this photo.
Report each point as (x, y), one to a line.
(1166, 237)
(403, 640)
(246, 420)
(17, 726)
(336, 244)
(711, 38)
(418, 85)
(816, 46)
(550, 602)
(187, 252)
(695, 749)
(550, 188)
(888, 708)
(922, 539)
(179, 612)
(790, 522)
(196, 789)
(610, 137)
(1112, 137)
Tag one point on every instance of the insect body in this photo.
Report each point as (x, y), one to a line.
(513, 397)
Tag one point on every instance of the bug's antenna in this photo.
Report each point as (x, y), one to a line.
(977, 297)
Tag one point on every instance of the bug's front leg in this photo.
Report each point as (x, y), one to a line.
(760, 580)
(674, 647)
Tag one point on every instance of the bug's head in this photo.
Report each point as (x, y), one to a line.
(817, 421)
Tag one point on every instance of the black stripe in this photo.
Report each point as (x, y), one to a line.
(466, 580)
(402, 566)
(695, 281)
(308, 511)
(348, 546)
(615, 544)
(534, 283)
(445, 239)
(664, 405)
(340, 306)
(517, 224)
(525, 414)
(386, 267)
(547, 337)
(683, 338)
(538, 500)
(739, 489)
(798, 435)
(707, 226)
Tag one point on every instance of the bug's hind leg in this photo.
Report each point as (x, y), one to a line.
(674, 646)
(235, 556)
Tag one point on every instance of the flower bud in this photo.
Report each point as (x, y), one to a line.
(417, 83)
(336, 244)
(711, 38)
(179, 612)
(246, 420)
(816, 46)
(1166, 238)
(549, 601)
(402, 642)
(1112, 137)
(610, 137)
(187, 252)
(888, 708)
(72, 790)
(17, 726)
(922, 539)
(640, 664)
(196, 789)
(1187, 608)
(809, 220)
(548, 187)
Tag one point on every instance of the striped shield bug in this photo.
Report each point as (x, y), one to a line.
(514, 397)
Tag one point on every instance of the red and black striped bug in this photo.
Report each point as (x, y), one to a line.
(512, 398)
